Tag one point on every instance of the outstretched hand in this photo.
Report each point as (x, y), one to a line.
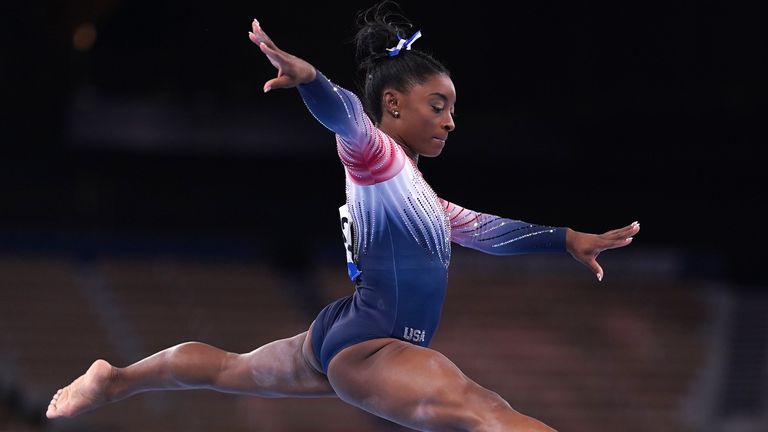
(291, 70)
(586, 247)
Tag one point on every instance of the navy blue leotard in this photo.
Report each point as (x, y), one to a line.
(402, 233)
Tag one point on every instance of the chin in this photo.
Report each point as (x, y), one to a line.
(431, 154)
(432, 150)
(435, 153)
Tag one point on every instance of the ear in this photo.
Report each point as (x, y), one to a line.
(390, 101)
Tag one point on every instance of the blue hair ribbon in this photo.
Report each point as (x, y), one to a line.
(403, 43)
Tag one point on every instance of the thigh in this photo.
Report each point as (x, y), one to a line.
(283, 368)
(419, 388)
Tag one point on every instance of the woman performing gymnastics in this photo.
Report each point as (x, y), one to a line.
(364, 348)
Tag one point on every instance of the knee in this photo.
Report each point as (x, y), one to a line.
(494, 418)
(463, 406)
(482, 410)
(494, 414)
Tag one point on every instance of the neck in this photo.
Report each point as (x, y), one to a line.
(408, 151)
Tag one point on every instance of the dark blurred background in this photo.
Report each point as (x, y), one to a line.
(138, 131)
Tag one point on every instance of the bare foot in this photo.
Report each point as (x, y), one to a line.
(87, 392)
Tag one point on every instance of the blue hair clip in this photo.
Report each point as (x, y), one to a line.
(403, 43)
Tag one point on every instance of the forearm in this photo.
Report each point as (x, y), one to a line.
(502, 236)
(512, 237)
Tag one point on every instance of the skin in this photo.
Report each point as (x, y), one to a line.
(375, 375)
(420, 119)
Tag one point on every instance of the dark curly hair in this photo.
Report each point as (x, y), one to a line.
(380, 27)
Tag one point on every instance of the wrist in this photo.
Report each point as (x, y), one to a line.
(312, 74)
(570, 236)
(309, 75)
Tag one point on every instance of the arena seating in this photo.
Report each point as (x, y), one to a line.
(540, 331)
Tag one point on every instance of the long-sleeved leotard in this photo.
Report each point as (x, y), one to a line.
(402, 233)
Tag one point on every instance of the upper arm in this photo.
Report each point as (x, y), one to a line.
(337, 109)
(369, 155)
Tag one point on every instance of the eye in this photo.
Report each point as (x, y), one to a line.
(437, 109)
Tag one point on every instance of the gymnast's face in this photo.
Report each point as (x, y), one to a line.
(421, 118)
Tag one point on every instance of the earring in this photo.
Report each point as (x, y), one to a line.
(396, 114)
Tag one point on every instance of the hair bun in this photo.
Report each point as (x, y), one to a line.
(379, 27)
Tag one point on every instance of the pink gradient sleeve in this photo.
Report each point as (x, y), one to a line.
(369, 155)
(501, 236)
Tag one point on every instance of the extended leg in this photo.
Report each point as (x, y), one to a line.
(281, 368)
(421, 389)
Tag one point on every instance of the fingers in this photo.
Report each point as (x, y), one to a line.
(281, 81)
(256, 34)
(596, 269)
(609, 240)
(615, 243)
(623, 233)
(259, 39)
(272, 55)
(627, 229)
(632, 228)
(259, 36)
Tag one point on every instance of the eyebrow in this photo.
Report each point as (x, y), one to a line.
(444, 97)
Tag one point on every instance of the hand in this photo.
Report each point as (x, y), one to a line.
(586, 247)
(291, 70)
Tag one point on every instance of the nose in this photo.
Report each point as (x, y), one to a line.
(449, 125)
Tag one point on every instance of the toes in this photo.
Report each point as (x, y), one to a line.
(52, 410)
